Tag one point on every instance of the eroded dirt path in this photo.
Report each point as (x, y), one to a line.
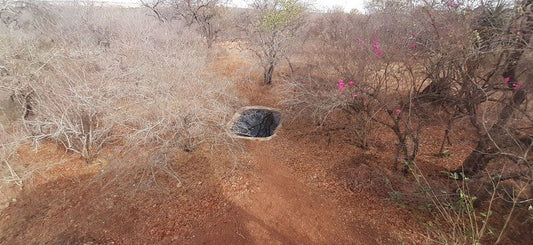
(290, 193)
(281, 202)
(282, 191)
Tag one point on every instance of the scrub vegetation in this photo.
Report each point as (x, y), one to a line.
(421, 109)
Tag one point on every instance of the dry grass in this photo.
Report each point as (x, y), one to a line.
(115, 78)
(117, 86)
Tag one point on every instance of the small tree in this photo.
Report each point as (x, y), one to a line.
(518, 43)
(154, 6)
(206, 14)
(273, 30)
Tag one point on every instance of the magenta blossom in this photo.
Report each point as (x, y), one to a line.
(351, 83)
(379, 53)
(377, 50)
(398, 111)
(453, 4)
(516, 85)
(507, 79)
(412, 46)
(361, 42)
(375, 45)
(341, 85)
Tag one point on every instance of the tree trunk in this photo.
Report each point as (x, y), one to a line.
(268, 74)
(209, 42)
(446, 137)
(486, 149)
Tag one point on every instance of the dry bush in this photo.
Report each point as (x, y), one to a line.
(208, 17)
(414, 65)
(117, 78)
(462, 217)
(332, 53)
(375, 73)
(9, 169)
(26, 14)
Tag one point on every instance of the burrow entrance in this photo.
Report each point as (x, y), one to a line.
(256, 123)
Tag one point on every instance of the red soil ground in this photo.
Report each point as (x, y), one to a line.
(302, 187)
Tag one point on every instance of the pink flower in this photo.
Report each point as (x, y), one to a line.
(412, 46)
(361, 42)
(375, 45)
(377, 50)
(398, 111)
(351, 83)
(379, 53)
(341, 85)
(516, 85)
(453, 4)
(355, 95)
(507, 79)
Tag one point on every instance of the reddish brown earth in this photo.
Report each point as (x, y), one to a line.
(302, 187)
(281, 191)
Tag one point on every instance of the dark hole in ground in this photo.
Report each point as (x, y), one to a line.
(259, 123)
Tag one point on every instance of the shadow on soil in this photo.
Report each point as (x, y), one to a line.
(122, 208)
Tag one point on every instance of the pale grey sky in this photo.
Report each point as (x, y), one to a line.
(347, 5)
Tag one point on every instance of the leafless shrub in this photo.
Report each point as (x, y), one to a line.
(208, 17)
(75, 113)
(463, 218)
(368, 76)
(456, 64)
(145, 92)
(8, 153)
(156, 8)
(26, 14)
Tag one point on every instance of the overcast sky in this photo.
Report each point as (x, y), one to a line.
(346, 4)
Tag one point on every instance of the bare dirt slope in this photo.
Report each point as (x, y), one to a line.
(292, 188)
(285, 191)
